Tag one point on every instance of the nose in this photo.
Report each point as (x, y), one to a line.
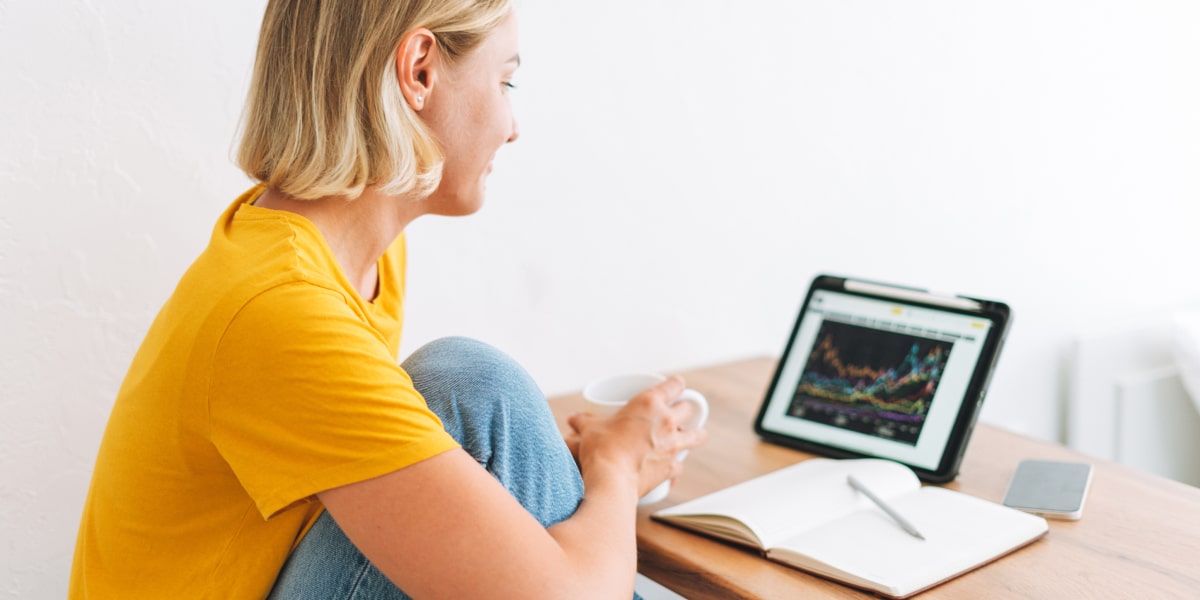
(515, 132)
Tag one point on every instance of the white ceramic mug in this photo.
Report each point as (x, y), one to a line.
(607, 396)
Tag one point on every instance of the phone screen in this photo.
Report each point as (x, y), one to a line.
(1049, 488)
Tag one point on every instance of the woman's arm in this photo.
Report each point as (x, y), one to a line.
(445, 528)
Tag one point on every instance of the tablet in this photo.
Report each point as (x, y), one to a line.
(884, 371)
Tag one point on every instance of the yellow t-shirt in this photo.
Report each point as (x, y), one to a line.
(264, 379)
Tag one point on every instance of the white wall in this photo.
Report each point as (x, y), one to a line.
(684, 170)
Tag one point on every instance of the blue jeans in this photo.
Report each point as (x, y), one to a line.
(498, 414)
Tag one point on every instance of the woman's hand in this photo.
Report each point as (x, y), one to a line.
(642, 439)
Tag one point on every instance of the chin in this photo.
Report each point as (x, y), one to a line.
(460, 200)
(460, 205)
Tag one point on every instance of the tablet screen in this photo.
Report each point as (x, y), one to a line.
(885, 376)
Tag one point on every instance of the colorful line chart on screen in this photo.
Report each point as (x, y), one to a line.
(871, 381)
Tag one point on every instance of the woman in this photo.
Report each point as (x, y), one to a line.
(265, 442)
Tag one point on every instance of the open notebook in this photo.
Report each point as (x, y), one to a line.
(808, 517)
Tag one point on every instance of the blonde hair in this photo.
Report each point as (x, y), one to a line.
(325, 116)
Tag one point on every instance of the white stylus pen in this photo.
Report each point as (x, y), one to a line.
(856, 484)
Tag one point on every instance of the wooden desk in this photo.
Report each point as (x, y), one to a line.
(1139, 536)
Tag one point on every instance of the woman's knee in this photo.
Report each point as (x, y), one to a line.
(466, 363)
(493, 408)
(476, 389)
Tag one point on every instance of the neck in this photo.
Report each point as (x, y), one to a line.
(357, 231)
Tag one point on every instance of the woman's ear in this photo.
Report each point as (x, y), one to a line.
(416, 66)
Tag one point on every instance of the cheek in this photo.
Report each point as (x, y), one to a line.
(470, 133)
(492, 117)
(471, 125)
(489, 127)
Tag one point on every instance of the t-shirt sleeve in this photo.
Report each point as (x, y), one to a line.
(305, 397)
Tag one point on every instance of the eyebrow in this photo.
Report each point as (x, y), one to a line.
(516, 58)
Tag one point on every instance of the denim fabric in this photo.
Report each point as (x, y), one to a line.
(498, 414)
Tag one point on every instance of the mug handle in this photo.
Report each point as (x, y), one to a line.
(690, 395)
(698, 399)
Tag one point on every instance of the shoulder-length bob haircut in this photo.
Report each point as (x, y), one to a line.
(325, 116)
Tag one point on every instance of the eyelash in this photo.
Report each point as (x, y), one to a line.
(508, 84)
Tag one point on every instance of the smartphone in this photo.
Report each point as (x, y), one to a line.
(1050, 488)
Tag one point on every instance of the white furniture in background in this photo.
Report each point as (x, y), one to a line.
(1127, 402)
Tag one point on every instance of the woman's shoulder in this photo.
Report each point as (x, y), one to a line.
(265, 246)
